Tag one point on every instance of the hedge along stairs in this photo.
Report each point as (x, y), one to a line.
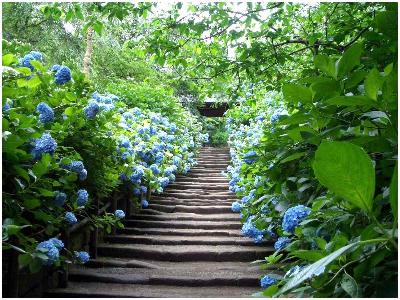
(187, 243)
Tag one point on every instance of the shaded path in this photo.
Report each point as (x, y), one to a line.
(186, 244)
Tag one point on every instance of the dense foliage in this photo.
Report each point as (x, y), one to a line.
(65, 144)
(317, 173)
(312, 126)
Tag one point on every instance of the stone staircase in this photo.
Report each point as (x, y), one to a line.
(187, 243)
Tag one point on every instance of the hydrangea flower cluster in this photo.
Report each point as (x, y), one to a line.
(78, 167)
(26, 60)
(59, 198)
(63, 75)
(281, 243)
(44, 144)
(82, 198)
(119, 214)
(51, 249)
(91, 110)
(82, 256)
(293, 216)
(267, 281)
(250, 230)
(46, 113)
(236, 206)
(70, 218)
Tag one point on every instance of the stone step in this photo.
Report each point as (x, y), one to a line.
(181, 232)
(205, 202)
(104, 261)
(118, 290)
(186, 253)
(194, 186)
(187, 216)
(178, 240)
(165, 276)
(197, 195)
(183, 224)
(207, 180)
(206, 209)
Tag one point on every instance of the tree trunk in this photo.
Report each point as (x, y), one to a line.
(89, 50)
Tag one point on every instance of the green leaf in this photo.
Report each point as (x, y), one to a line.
(350, 286)
(346, 170)
(314, 269)
(350, 101)
(24, 259)
(34, 82)
(293, 157)
(308, 255)
(295, 93)
(98, 27)
(8, 59)
(32, 203)
(355, 78)
(35, 265)
(393, 191)
(349, 59)
(372, 84)
(325, 64)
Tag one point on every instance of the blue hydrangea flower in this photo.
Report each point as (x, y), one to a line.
(267, 281)
(91, 110)
(120, 110)
(63, 75)
(70, 218)
(26, 61)
(46, 112)
(136, 191)
(8, 105)
(164, 181)
(143, 189)
(168, 171)
(249, 230)
(59, 198)
(281, 243)
(82, 174)
(275, 118)
(293, 216)
(49, 249)
(83, 197)
(55, 68)
(250, 157)
(82, 256)
(57, 243)
(159, 157)
(125, 143)
(76, 166)
(144, 203)
(127, 115)
(119, 214)
(37, 55)
(44, 144)
(137, 174)
(154, 169)
(136, 111)
(236, 206)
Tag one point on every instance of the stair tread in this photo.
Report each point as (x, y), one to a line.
(100, 289)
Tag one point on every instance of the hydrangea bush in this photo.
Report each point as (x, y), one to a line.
(65, 145)
(315, 169)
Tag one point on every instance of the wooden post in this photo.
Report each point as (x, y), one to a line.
(113, 208)
(13, 275)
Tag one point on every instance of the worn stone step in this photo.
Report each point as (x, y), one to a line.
(182, 232)
(105, 261)
(178, 240)
(205, 209)
(187, 216)
(184, 224)
(203, 180)
(186, 253)
(193, 186)
(118, 290)
(165, 276)
(197, 195)
(197, 202)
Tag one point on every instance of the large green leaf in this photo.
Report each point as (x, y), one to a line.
(349, 59)
(350, 286)
(325, 64)
(373, 83)
(295, 93)
(314, 269)
(350, 101)
(346, 170)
